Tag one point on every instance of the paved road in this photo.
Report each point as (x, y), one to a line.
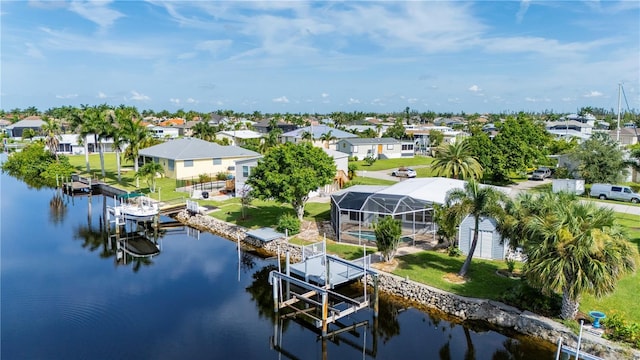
(515, 189)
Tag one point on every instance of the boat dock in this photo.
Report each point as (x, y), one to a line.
(79, 185)
(308, 288)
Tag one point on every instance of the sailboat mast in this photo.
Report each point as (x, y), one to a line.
(619, 106)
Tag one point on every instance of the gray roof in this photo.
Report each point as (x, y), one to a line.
(192, 148)
(317, 131)
(371, 141)
(27, 124)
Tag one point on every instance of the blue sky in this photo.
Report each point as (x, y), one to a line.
(300, 56)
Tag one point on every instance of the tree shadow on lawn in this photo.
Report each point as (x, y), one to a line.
(261, 216)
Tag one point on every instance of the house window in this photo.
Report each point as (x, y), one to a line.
(407, 146)
(355, 149)
(246, 171)
(188, 163)
(389, 146)
(217, 161)
(171, 164)
(156, 160)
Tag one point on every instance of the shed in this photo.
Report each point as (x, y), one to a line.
(490, 244)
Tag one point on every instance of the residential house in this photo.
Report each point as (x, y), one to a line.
(164, 132)
(32, 122)
(264, 126)
(3, 124)
(238, 137)
(70, 144)
(317, 132)
(570, 128)
(243, 169)
(190, 157)
(379, 148)
(625, 136)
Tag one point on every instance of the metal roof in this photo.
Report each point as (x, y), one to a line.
(317, 131)
(193, 148)
(370, 141)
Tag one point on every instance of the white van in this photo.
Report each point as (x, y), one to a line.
(614, 192)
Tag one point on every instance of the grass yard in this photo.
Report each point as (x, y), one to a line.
(165, 186)
(429, 267)
(384, 164)
(265, 213)
(345, 251)
(624, 300)
(363, 180)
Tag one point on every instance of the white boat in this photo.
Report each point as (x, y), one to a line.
(141, 208)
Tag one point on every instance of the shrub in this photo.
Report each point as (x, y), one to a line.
(289, 223)
(203, 178)
(352, 170)
(370, 160)
(454, 251)
(511, 265)
(388, 231)
(617, 329)
(221, 175)
(525, 297)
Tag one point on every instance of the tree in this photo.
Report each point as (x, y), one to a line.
(388, 231)
(28, 133)
(122, 117)
(137, 136)
(396, 131)
(455, 161)
(327, 137)
(599, 159)
(204, 131)
(288, 172)
(576, 247)
(478, 202)
(435, 138)
(150, 171)
(51, 131)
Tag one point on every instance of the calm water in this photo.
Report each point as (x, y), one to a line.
(65, 296)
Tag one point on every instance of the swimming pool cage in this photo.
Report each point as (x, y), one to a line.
(354, 212)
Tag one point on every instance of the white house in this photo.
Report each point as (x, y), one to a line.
(379, 148)
(238, 137)
(70, 144)
(165, 132)
(317, 133)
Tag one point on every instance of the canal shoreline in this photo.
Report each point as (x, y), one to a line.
(460, 307)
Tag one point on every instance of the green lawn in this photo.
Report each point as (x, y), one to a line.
(427, 267)
(363, 180)
(624, 300)
(384, 164)
(430, 267)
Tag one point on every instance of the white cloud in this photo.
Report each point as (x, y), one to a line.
(475, 88)
(101, 95)
(174, 101)
(353, 101)
(592, 94)
(412, 100)
(324, 95)
(33, 51)
(67, 96)
(281, 99)
(192, 101)
(138, 96)
(187, 55)
(213, 46)
(524, 6)
(532, 99)
(96, 11)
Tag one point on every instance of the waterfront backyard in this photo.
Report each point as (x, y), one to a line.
(428, 267)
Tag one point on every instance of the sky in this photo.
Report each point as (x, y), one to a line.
(321, 57)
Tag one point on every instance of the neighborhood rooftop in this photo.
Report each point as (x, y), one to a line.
(192, 148)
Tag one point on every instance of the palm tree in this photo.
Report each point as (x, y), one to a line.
(121, 117)
(307, 136)
(455, 161)
(51, 130)
(204, 131)
(327, 137)
(478, 202)
(137, 136)
(574, 248)
(150, 171)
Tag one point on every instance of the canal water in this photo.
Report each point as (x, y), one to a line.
(68, 292)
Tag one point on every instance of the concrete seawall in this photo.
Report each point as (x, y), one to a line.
(463, 308)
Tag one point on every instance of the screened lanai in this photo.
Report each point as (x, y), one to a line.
(356, 209)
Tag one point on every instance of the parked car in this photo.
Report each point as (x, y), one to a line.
(614, 192)
(404, 172)
(541, 173)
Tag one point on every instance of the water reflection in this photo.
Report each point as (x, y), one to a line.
(214, 302)
(57, 208)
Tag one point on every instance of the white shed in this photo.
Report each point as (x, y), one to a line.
(490, 244)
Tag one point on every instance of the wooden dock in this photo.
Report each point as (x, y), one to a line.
(79, 185)
(315, 279)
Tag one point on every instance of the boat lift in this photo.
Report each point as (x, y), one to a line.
(317, 276)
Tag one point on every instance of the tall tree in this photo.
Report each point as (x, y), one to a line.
(204, 131)
(51, 131)
(576, 247)
(477, 201)
(150, 171)
(137, 136)
(396, 131)
(288, 172)
(599, 159)
(327, 137)
(121, 118)
(455, 161)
